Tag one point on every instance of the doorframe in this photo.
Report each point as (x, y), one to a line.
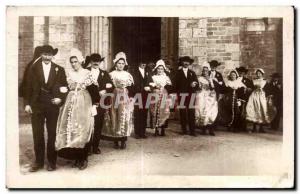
(101, 39)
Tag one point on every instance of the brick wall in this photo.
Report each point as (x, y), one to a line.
(209, 39)
(233, 42)
(66, 33)
(261, 45)
(25, 43)
(25, 50)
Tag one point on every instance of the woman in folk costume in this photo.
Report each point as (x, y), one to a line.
(206, 104)
(160, 110)
(231, 106)
(118, 122)
(260, 109)
(76, 120)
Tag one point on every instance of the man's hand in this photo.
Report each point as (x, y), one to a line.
(102, 92)
(147, 88)
(193, 84)
(28, 109)
(56, 101)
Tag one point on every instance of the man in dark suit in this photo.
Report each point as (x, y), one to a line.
(276, 91)
(185, 84)
(35, 59)
(45, 93)
(104, 86)
(242, 71)
(142, 78)
(216, 77)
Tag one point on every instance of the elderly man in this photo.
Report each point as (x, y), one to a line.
(186, 83)
(45, 92)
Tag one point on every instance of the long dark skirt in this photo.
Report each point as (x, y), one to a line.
(80, 154)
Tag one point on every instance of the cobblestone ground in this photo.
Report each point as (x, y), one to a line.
(224, 154)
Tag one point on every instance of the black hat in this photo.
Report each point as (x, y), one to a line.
(214, 63)
(37, 52)
(275, 75)
(186, 58)
(242, 69)
(49, 49)
(96, 57)
(86, 62)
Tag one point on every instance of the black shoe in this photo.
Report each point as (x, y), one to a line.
(183, 133)
(35, 167)
(76, 164)
(137, 137)
(203, 132)
(83, 165)
(51, 167)
(144, 137)
(156, 132)
(211, 133)
(116, 145)
(123, 145)
(162, 133)
(193, 134)
(96, 151)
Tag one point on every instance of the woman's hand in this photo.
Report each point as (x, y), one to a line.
(56, 101)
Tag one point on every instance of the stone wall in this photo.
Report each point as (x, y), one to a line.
(233, 42)
(207, 39)
(261, 45)
(25, 43)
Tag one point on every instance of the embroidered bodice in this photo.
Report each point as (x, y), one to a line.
(121, 79)
(161, 80)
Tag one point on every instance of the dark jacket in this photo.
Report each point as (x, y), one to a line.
(219, 84)
(182, 84)
(24, 82)
(102, 80)
(38, 92)
(246, 92)
(139, 81)
(248, 83)
(277, 92)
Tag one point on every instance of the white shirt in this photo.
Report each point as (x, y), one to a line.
(142, 71)
(46, 70)
(95, 73)
(185, 71)
(213, 74)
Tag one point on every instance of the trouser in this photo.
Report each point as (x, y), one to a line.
(50, 114)
(276, 121)
(187, 114)
(140, 121)
(98, 124)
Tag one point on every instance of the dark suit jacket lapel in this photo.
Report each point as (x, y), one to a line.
(41, 72)
(189, 74)
(52, 75)
(182, 74)
(140, 74)
(100, 76)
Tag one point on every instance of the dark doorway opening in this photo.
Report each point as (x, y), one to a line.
(138, 37)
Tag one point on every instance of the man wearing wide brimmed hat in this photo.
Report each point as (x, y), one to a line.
(186, 83)
(105, 85)
(276, 90)
(36, 58)
(45, 93)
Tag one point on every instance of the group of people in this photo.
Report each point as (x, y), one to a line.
(84, 103)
